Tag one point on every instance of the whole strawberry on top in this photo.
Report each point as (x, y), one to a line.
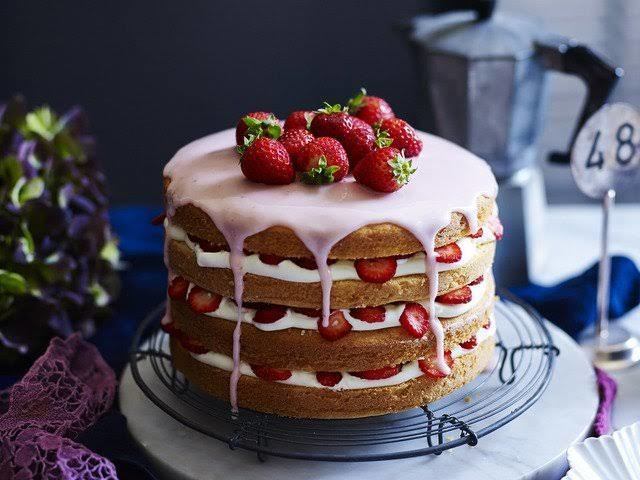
(363, 139)
(254, 125)
(267, 161)
(294, 141)
(372, 110)
(384, 170)
(322, 161)
(299, 119)
(331, 121)
(403, 136)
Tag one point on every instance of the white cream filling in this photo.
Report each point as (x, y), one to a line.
(228, 310)
(341, 270)
(301, 378)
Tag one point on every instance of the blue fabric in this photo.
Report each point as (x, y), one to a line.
(571, 304)
(144, 281)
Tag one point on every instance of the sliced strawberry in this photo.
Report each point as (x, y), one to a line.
(178, 288)
(379, 373)
(338, 326)
(496, 227)
(170, 328)
(448, 253)
(429, 366)
(158, 219)
(376, 270)
(415, 319)
(307, 263)
(478, 234)
(309, 312)
(469, 344)
(269, 314)
(329, 379)
(270, 373)
(270, 259)
(487, 325)
(369, 314)
(456, 297)
(310, 263)
(207, 245)
(202, 301)
(477, 281)
(192, 345)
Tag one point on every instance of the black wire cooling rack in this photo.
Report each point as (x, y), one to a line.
(525, 357)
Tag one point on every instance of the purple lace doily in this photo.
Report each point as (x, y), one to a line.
(65, 391)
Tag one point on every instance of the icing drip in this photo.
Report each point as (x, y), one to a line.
(449, 179)
(434, 322)
(326, 283)
(237, 258)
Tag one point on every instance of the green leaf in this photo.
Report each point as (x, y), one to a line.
(15, 191)
(309, 118)
(328, 108)
(382, 137)
(251, 122)
(110, 253)
(248, 140)
(320, 175)
(269, 127)
(274, 131)
(401, 168)
(100, 295)
(26, 242)
(44, 123)
(67, 147)
(12, 283)
(32, 189)
(354, 103)
(10, 171)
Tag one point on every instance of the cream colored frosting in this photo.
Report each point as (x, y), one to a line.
(341, 270)
(229, 311)
(301, 378)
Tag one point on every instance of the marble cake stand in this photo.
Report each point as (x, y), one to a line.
(532, 446)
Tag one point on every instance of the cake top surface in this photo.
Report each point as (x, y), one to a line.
(206, 173)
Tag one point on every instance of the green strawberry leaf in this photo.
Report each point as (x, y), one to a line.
(328, 108)
(401, 168)
(354, 103)
(248, 140)
(320, 175)
(382, 137)
(270, 128)
(309, 118)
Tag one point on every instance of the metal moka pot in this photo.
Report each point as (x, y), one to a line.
(482, 80)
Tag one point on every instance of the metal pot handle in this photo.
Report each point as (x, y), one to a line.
(564, 55)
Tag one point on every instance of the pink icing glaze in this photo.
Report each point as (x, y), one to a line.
(449, 179)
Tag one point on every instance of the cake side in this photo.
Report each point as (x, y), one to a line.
(345, 302)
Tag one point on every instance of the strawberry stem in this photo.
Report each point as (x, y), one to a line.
(382, 137)
(269, 127)
(401, 168)
(354, 103)
(320, 175)
(328, 108)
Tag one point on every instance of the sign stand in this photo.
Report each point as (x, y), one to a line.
(606, 156)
